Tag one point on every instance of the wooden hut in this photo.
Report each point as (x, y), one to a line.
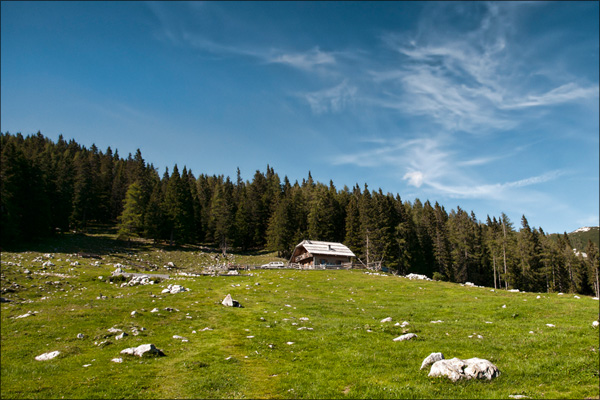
(313, 254)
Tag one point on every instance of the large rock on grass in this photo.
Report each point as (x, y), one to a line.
(456, 369)
(47, 356)
(229, 302)
(144, 350)
(430, 359)
(173, 289)
(402, 338)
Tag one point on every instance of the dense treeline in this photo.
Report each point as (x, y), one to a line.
(49, 187)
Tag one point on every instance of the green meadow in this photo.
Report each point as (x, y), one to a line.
(299, 334)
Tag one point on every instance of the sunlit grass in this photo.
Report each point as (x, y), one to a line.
(338, 358)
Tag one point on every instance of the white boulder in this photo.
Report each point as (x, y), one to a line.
(173, 289)
(143, 350)
(229, 302)
(430, 359)
(456, 369)
(47, 356)
(402, 338)
(388, 319)
(417, 276)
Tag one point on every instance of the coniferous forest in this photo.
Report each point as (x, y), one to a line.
(47, 188)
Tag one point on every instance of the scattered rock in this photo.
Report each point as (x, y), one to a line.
(47, 356)
(456, 369)
(121, 335)
(117, 360)
(439, 321)
(143, 350)
(430, 359)
(417, 276)
(388, 319)
(407, 336)
(27, 314)
(137, 280)
(80, 336)
(114, 330)
(518, 396)
(180, 338)
(550, 325)
(173, 289)
(229, 302)
(155, 310)
(595, 324)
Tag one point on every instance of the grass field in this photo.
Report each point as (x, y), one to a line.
(346, 353)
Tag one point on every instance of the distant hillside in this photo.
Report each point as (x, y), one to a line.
(580, 237)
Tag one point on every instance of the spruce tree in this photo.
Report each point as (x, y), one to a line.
(131, 220)
(593, 264)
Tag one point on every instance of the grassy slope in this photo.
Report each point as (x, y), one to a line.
(339, 358)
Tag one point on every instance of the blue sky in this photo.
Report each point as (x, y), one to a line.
(492, 107)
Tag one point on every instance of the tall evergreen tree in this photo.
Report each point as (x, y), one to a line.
(593, 264)
(531, 277)
(131, 220)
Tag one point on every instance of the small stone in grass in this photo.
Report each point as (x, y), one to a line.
(47, 356)
(407, 336)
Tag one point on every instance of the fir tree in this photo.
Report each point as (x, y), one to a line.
(131, 220)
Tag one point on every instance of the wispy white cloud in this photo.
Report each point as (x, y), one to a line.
(491, 191)
(431, 165)
(332, 99)
(303, 60)
(173, 28)
(562, 94)
(470, 82)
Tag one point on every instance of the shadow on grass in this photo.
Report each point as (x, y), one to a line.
(102, 240)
